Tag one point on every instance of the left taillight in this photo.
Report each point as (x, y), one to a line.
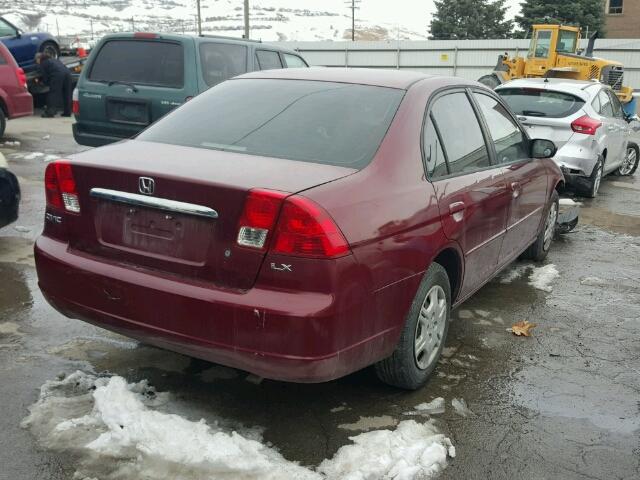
(22, 78)
(60, 187)
(75, 102)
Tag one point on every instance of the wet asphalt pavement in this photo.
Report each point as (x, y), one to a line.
(563, 404)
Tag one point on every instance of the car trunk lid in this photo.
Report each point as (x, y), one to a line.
(175, 209)
(558, 130)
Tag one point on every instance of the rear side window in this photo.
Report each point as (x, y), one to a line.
(434, 155)
(268, 60)
(221, 61)
(510, 143)
(532, 102)
(294, 61)
(321, 122)
(462, 139)
(140, 62)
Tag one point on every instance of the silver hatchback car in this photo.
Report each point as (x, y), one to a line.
(584, 119)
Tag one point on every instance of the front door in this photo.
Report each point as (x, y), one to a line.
(471, 191)
(526, 178)
(622, 132)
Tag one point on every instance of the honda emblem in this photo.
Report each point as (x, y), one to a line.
(146, 185)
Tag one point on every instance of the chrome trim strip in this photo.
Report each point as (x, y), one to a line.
(524, 218)
(486, 241)
(153, 202)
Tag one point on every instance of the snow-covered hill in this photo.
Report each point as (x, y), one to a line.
(270, 19)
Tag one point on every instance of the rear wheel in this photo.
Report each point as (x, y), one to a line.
(630, 162)
(589, 186)
(423, 336)
(491, 80)
(540, 248)
(51, 49)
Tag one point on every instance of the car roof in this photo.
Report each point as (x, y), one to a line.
(576, 87)
(400, 79)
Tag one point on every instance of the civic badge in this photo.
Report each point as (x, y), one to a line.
(146, 185)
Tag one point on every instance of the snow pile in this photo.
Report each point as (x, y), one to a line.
(542, 278)
(514, 273)
(122, 431)
(433, 407)
(460, 407)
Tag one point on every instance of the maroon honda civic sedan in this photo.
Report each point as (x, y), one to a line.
(300, 224)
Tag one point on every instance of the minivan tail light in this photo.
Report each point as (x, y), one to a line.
(22, 78)
(585, 125)
(261, 209)
(305, 229)
(75, 102)
(60, 187)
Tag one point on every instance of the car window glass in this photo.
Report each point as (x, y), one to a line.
(543, 44)
(6, 30)
(616, 105)
(534, 102)
(221, 61)
(434, 156)
(321, 122)
(605, 104)
(595, 103)
(510, 143)
(268, 60)
(140, 62)
(293, 61)
(462, 139)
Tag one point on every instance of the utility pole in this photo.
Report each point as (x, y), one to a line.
(246, 19)
(199, 18)
(353, 6)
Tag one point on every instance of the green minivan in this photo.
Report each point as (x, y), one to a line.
(132, 79)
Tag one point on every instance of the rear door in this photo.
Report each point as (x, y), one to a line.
(613, 135)
(268, 60)
(220, 61)
(471, 191)
(526, 178)
(133, 81)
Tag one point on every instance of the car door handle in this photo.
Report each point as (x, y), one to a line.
(516, 188)
(456, 210)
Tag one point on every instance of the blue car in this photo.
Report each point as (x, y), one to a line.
(24, 46)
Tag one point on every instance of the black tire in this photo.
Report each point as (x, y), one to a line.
(491, 80)
(624, 170)
(51, 48)
(589, 186)
(539, 249)
(401, 369)
(3, 122)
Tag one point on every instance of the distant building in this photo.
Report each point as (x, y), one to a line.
(622, 18)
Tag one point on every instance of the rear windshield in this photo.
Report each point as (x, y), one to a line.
(221, 61)
(141, 62)
(541, 103)
(322, 122)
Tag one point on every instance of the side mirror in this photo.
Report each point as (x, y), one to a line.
(541, 148)
(18, 33)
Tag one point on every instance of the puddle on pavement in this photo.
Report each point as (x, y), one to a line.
(17, 250)
(600, 217)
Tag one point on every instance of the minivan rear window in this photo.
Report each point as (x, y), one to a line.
(532, 102)
(140, 62)
(221, 61)
(321, 122)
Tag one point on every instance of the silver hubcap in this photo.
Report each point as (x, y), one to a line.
(596, 181)
(430, 327)
(629, 162)
(550, 226)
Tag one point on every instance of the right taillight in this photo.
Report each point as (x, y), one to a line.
(60, 187)
(75, 102)
(302, 229)
(22, 78)
(585, 125)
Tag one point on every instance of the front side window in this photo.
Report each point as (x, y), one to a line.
(7, 30)
(543, 44)
(320, 122)
(462, 139)
(510, 143)
(268, 60)
(221, 61)
(616, 105)
(140, 62)
(615, 7)
(294, 61)
(567, 42)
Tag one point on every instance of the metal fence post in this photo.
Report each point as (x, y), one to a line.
(455, 60)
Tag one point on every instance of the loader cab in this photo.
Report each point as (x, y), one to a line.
(547, 41)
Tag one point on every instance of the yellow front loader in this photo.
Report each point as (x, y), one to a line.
(553, 52)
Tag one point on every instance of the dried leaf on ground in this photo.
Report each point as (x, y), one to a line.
(522, 328)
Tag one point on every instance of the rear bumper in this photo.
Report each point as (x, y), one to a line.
(576, 160)
(291, 336)
(93, 139)
(22, 105)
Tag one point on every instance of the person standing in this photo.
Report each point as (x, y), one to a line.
(58, 78)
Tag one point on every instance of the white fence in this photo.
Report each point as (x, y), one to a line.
(465, 58)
